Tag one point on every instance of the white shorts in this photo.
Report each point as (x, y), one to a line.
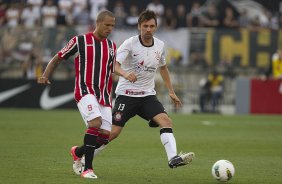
(90, 109)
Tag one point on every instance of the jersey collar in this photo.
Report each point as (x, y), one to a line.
(92, 33)
(143, 43)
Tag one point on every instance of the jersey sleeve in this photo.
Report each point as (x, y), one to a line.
(70, 49)
(162, 60)
(123, 51)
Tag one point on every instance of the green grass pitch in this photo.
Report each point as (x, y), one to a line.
(35, 148)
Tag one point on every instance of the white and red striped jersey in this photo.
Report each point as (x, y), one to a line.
(144, 62)
(94, 65)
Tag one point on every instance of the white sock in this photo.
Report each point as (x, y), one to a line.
(98, 150)
(169, 143)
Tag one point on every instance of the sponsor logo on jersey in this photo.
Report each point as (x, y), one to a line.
(135, 55)
(140, 68)
(134, 92)
(68, 46)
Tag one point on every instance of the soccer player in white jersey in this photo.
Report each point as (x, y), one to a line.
(138, 59)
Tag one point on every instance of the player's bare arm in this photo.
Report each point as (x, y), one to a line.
(129, 76)
(166, 78)
(44, 79)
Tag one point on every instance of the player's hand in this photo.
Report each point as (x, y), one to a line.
(175, 100)
(43, 80)
(131, 77)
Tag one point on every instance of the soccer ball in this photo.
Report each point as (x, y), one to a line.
(223, 170)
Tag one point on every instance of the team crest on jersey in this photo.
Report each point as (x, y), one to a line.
(158, 55)
(111, 51)
(117, 116)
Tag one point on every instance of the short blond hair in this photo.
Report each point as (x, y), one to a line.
(102, 14)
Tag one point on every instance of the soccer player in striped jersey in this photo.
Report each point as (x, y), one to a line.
(138, 59)
(94, 64)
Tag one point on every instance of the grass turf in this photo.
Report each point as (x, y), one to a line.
(35, 148)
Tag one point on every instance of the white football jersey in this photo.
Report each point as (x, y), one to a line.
(144, 62)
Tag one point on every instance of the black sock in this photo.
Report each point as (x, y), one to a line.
(89, 148)
(80, 151)
(102, 139)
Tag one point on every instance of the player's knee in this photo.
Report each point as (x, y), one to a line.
(165, 122)
(95, 123)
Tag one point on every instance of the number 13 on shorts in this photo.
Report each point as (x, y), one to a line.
(121, 107)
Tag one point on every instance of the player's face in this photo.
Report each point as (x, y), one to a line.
(147, 29)
(105, 27)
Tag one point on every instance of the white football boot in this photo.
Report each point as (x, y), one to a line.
(89, 173)
(181, 159)
(78, 163)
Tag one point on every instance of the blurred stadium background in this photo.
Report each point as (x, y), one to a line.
(200, 38)
(235, 37)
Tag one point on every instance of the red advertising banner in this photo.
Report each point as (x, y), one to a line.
(266, 97)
